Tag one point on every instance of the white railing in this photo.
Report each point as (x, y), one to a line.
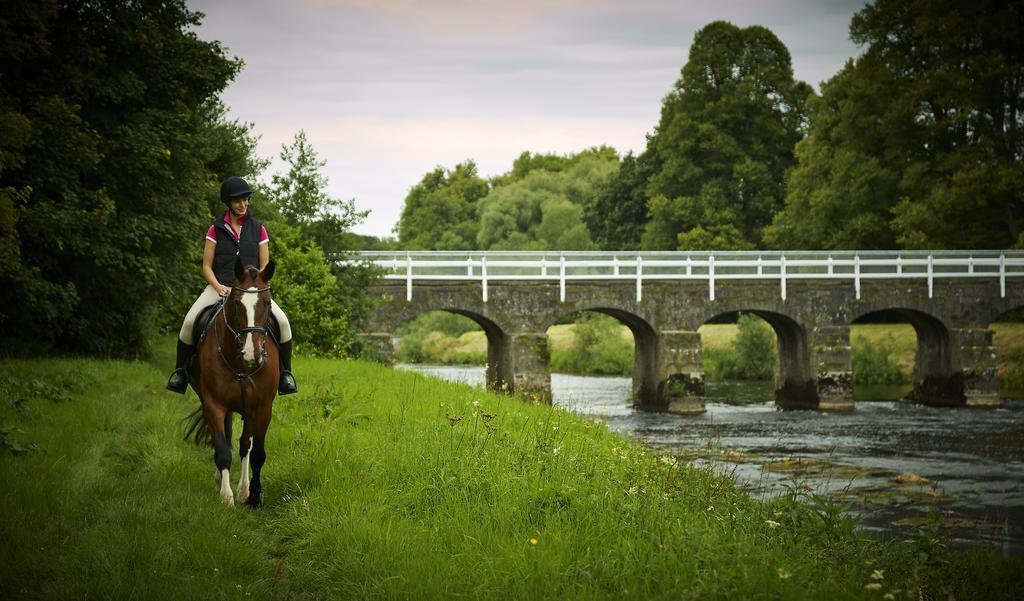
(784, 266)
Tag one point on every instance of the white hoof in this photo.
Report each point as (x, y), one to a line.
(242, 495)
(225, 489)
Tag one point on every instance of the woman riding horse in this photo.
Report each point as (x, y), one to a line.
(238, 235)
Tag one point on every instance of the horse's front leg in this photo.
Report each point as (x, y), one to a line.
(227, 436)
(258, 455)
(245, 447)
(215, 417)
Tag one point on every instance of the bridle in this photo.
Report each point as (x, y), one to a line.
(238, 334)
(250, 330)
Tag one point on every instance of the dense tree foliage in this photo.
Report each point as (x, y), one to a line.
(440, 212)
(113, 141)
(724, 141)
(617, 213)
(536, 205)
(918, 143)
(543, 209)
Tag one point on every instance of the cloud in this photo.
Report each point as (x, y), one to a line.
(377, 160)
(452, 16)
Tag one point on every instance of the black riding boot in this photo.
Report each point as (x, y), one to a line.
(287, 383)
(179, 377)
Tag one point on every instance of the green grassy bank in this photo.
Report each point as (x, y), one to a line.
(387, 484)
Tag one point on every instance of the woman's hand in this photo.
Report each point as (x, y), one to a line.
(222, 289)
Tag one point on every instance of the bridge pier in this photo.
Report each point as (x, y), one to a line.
(978, 366)
(680, 374)
(832, 359)
(500, 372)
(530, 365)
(955, 368)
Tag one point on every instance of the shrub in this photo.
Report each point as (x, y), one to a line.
(752, 357)
(451, 324)
(755, 349)
(1012, 380)
(719, 364)
(308, 292)
(874, 364)
(438, 337)
(598, 348)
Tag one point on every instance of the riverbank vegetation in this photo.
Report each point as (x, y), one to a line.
(387, 484)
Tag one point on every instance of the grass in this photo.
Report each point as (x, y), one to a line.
(387, 484)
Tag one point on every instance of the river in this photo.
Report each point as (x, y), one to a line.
(902, 467)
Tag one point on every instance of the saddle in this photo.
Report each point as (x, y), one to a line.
(205, 319)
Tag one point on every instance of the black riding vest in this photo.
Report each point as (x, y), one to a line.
(247, 247)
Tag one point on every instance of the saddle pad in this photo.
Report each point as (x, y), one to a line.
(203, 322)
(206, 316)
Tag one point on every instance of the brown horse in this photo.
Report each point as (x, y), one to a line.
(236, 370)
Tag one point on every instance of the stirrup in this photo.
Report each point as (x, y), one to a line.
(178, 381)
(287, 384)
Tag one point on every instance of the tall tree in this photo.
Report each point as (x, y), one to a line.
(918, 143)
(310, 234)
(724, 141)
(112, 138)
(440, 212)
(617, 214)
(300, 195)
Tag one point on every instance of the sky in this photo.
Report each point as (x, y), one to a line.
(388, 90)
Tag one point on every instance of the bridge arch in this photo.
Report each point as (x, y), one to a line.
(499, 369)
(500, 372)
(645, 351)
(936, 379)
(795, 386)
(1000, 315)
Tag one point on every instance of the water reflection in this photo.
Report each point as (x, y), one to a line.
(900, 465)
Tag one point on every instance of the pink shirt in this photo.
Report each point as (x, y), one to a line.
(211, 235)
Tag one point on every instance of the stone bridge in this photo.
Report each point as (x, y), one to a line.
(809, 299)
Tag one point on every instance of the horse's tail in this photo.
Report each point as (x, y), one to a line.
(197, 430)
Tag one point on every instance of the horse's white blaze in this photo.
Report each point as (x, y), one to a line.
(249, 302)
(243, 478)
(225, 489)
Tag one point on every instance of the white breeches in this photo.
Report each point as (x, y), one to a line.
(209, 297)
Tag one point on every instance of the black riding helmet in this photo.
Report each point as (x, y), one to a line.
(234, 188)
